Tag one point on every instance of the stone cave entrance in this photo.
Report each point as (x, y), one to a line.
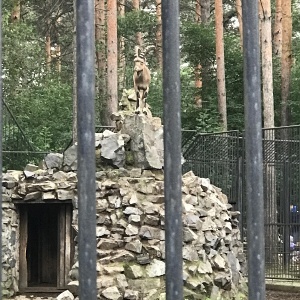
(46, 246)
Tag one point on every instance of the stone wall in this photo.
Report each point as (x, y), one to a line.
(131, 217)
(131, 236)
(10, 236)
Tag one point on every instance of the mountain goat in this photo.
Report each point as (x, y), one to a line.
(141, 79)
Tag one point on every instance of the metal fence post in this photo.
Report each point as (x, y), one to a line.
(254, 162)
(85, 45)
(172, 149)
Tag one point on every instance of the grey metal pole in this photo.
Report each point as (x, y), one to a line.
(254, 162)
(172, 149)
(1, 138)
(85, 45)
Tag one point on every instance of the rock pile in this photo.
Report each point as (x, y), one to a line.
(131, 236)
(130, 211)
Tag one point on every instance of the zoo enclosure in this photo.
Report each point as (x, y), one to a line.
(221, 158)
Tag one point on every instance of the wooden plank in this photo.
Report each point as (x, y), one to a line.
(23, 280)
(61, 247)
(68, 241)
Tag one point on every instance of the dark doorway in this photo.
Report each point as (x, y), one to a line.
(42, 247)
(46, 245)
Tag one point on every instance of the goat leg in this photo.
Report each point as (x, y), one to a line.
(138, 102)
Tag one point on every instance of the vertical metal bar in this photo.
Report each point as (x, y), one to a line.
(85, 45)
(254, 162)
(1, 140)
(172, 148)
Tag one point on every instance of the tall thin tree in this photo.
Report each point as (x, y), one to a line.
(268, 122)
(100, 41)
(197, 71)
(238, 6)
(138, 35)
(267, 62)
(222, 107)
(158, 34)
(286, 60)
(121, 52)
(277, 30)
(112, 61)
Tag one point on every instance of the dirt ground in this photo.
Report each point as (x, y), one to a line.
(270, 295)
(277, 295)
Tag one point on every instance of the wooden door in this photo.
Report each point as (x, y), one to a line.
(45, 245)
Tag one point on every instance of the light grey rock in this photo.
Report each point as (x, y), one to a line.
(132, 230)
(156, 268)
(190, 253)
(54, 160)
(134, 271)
(65, 194)
(44, 186)
(112, 148)
(132, 211)
(112, 293)
(70, 158)
(146, 140)
(151, 233)
(134, 246)
(31, 168)
(66, 295)
(33, 196)
(131, 295)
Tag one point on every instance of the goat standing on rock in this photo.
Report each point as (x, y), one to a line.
(141, 80)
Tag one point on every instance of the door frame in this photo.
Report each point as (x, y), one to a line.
(65, 245)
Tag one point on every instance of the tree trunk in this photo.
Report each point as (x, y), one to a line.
(74, 127)
(16, 12)
(238, 5)
(197, 11)
(57, 50)
(48, 39)
(205, 20)
(220, 63)
(286, 60)
(112, 61)
(268, 121)
(158, 34)
(205, 11)
(267, 65)
(100, 41)
(48, 52)
(277, 32)
(138, 35)
(122, 60)
(197, 70)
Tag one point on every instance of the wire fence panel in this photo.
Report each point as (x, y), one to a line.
(221, 158)
(215, 156)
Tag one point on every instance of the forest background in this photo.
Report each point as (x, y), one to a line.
(39, 69)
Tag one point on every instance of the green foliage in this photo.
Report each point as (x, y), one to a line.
(198, 44)
(46, 113)
(198, 47)
(137, 21)
(40, 101)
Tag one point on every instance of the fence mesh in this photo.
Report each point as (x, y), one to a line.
(221, 158)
